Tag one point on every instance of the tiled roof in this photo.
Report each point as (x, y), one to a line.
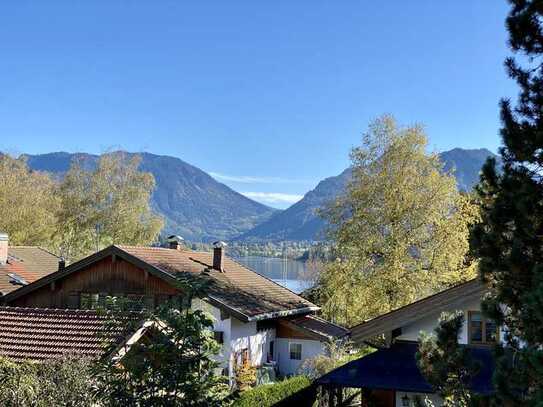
(37, 334)
(319, 327)
(28, 262)
(237, 288)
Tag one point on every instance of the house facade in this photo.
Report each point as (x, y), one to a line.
(256, 320)
(391, 373)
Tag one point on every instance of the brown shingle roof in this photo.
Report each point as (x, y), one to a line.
(319, 327)
(37, 333)
(237, 288)
(242, 292)
(28, 262)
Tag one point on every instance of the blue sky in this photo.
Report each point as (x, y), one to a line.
(267, 96)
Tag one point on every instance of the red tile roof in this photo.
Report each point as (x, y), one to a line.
(237, 288)
(27, 262)
(37, 334)
(240, 291)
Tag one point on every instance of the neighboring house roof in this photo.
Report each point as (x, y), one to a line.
(395, 368)
(28, 263)
(452, 297)
(38, 333)
(240, 291)
(319, 328)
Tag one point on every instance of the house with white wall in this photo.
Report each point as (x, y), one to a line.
(390, 373)
(256, 320)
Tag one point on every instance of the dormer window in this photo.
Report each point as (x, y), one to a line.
(481, 331)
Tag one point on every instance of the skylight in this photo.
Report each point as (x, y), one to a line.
(17, 279)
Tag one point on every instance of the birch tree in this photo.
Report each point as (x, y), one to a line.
(401, 229)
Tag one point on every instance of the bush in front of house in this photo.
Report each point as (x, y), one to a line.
(270, 394)
(63, 381)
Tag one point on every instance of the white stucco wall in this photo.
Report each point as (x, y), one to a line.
(245, 336)
(237, 336)
(412, 331)
(219, 324)
(240, 335)
(286, 366)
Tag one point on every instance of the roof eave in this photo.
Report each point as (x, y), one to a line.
(285, 313)
(389, 321)
(259, 317)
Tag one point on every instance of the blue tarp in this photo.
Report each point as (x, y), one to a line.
(395, 368)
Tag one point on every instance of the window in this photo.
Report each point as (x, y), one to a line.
(481, 330)
(272, 344)
(218, 336)
(295, 350)
(130, 302)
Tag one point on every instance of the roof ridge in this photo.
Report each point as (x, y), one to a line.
(167, 249)
(62, 310)
(30, 309)
(48, 252)
(34, 247)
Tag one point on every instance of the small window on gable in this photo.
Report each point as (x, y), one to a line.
(295, 350)
(481, 330)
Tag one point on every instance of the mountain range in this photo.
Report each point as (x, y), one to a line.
(301, 221)
(193, 203)
(199, 208)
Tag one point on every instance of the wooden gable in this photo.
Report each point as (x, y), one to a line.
(111, 275)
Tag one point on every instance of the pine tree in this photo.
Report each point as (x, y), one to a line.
(509, 239)
(446, 364)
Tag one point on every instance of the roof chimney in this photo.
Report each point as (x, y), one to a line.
(4, 239)
(61, 264)
(218, 255)
(175, 242)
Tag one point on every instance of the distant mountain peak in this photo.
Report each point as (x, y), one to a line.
(193, 203)
(301, 222)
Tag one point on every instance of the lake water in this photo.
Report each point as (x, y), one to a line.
(290, 273)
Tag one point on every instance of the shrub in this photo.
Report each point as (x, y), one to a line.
(245, 377)
(64, 381)
(337, 354)
(269, 394)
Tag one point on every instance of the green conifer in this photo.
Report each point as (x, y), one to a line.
(509, 239)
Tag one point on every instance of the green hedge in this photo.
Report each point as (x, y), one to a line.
(267, 395)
